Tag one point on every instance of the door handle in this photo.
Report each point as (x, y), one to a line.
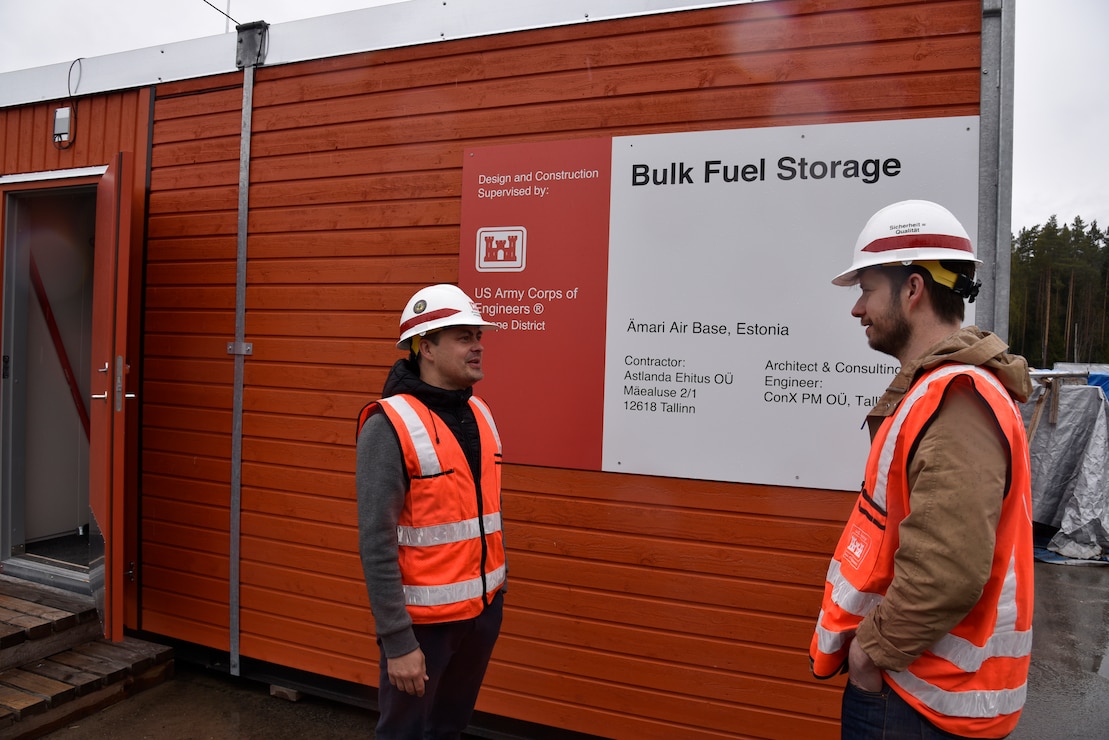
(99, 396)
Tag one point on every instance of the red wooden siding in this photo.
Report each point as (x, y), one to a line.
(188, 379)
(103, 125)
(638, 606)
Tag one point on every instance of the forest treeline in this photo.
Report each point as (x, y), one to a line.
(1058, 292)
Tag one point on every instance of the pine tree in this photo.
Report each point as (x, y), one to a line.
(1059, 293)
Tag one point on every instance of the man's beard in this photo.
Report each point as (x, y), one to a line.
(895, 332)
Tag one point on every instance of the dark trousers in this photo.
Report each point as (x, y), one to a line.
(456, 654)
(884, 716)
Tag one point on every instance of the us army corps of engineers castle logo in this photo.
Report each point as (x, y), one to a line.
(502, 249)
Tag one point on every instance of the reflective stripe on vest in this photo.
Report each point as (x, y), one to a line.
(441, 534)
(421, 438)
(453, 593)
(480, 405)
(1005, 625)
(973, 704)
(848, 598)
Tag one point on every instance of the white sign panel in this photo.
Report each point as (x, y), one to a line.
(729, 355)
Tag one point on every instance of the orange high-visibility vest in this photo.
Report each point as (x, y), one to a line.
(451, 547)
(972, 681)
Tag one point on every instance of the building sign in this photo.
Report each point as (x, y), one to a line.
(666, 301)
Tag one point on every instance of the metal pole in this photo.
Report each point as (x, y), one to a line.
(251, 53)
(996, 164)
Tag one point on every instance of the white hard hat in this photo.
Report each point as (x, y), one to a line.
(436, 307)
(906, 232)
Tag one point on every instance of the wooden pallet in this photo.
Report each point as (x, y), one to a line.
(42, 696)
(54, 665)
(37, 620)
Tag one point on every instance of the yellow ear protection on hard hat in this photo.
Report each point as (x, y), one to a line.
(414, 342)
(959, 283)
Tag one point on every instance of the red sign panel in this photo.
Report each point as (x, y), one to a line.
(534, 257)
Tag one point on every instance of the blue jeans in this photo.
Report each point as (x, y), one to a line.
(456, 654)
(884, 716)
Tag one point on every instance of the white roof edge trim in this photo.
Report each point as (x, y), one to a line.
(406, 23)
(53, 175)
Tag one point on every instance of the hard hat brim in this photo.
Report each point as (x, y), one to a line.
(405, 341)
(850, 276)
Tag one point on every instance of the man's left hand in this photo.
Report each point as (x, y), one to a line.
(861, 670)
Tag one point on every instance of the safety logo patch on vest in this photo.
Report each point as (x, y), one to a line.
(857, 549)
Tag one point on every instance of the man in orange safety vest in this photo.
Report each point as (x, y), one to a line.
(428, 481)
(929, 595)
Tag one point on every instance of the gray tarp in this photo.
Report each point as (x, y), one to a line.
(1068, 427)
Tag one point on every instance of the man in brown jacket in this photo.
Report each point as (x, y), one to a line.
(928, 605)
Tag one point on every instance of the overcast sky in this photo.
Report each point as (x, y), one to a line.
(1061, 100)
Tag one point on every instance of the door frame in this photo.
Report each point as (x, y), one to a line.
(111, 578)
(12, 508)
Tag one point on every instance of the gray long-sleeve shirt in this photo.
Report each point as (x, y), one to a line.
(382, 482)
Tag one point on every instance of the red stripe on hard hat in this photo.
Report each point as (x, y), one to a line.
(912, 241)
(423, 318)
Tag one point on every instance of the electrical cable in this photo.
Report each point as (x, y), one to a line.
(225, 15)
(59, 143)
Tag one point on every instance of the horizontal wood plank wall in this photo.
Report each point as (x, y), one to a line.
(638, 606)
(188, 318)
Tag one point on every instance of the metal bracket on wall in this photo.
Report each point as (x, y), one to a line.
(240, 348)
(253, 44)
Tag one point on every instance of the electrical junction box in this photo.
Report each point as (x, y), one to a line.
(61, 124)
